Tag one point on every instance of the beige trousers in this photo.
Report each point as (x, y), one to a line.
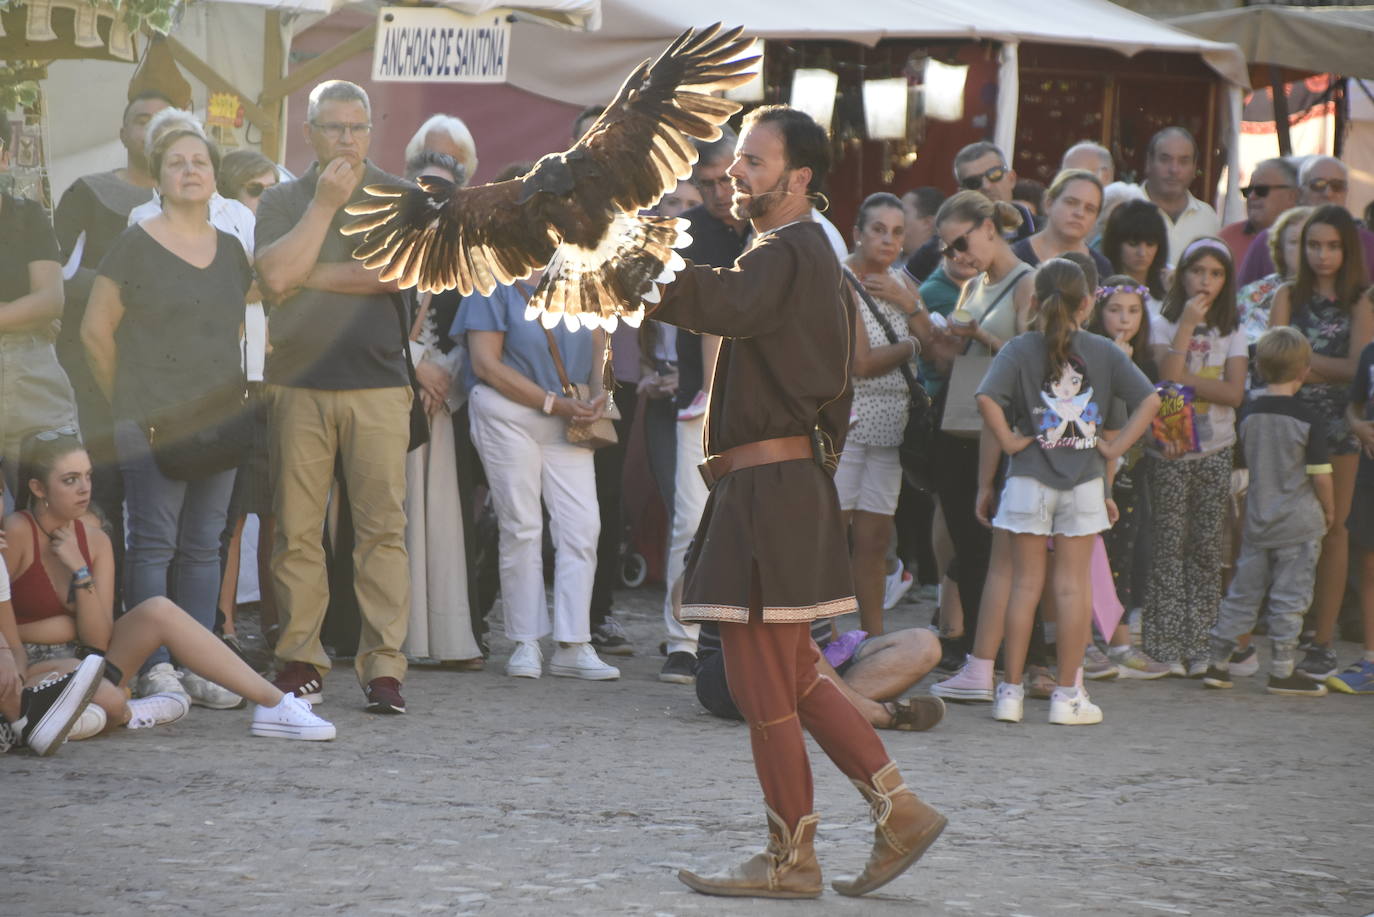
(369, 429)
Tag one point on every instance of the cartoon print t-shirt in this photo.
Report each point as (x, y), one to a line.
(1208, 352)
(1064, 411)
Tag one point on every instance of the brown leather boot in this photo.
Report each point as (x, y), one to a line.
(786, 868)
(903, 828)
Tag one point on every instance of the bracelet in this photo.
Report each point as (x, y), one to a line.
(549, 398)
(81, 573)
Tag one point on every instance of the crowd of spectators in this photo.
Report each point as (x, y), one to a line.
(1025, 358)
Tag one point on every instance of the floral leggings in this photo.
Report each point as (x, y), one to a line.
(1188, 502)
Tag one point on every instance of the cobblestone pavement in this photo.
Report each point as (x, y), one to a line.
(560, 797)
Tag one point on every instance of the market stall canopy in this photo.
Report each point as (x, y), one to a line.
(590, 67)
(572, 14)
(1317, 40)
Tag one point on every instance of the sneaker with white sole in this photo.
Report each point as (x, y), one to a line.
(157, 710)
(1244, 663)
(1073, 709)
(579, 660)
(964, 687)
(49, 709)
(526, 662)
(1295, 685)
(161, 679)
(292, 718)
(1197, 668)
(1131, 662)
(896, 585)
(1218, 676)
(90, 723)
(611, 638)
(1096, 665)
(205, 693)
(8, 737)
(1009, 706)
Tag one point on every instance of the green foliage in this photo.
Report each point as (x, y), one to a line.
(156, 15)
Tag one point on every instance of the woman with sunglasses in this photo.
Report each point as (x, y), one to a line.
(1073, 201)
(62, 593)
(244, 175)
(161, 332)
(993, 308)
(1330, 302)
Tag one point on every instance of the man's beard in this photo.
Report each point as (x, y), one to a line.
(758, 205)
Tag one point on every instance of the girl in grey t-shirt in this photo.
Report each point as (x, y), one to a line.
(1044, 399)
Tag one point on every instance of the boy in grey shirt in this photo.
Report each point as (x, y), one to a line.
(1289, 507)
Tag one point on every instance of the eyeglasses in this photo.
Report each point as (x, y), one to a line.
(1319, 185)
(959, 243)
(991, 176)
(713, 185)
(1261, 191)
(48, 436)
(255, 188)
(334, 130)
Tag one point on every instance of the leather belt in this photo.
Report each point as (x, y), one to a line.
(750, 455)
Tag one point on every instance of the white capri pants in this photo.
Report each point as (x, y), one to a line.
(526, 455)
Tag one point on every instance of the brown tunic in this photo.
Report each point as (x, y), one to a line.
(783, 370)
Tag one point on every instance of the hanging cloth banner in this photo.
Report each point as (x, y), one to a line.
(434, 44)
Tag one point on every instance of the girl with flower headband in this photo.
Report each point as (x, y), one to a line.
(1329, 301)
(1198, 345)
(1121, 313)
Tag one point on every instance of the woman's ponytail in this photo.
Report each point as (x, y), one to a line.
(1060, 289)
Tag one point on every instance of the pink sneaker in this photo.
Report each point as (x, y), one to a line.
(695, 409)
(965, 687)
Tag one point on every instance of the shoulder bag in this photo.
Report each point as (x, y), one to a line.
(961, 417)
(419, 420)
(914, 451)
(598, 433)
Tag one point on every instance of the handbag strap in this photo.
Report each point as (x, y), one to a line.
(1011, 283)
(905, 367)
(568, 388)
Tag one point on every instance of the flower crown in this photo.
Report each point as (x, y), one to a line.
(1139, 289)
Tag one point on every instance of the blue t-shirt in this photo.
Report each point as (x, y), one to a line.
(526, 348)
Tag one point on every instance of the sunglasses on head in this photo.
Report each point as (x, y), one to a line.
(255, 188)
(1261, 191)
(992, 176)
(48, 436)
(1319, 185)
(959, 243)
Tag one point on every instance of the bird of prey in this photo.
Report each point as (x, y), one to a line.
(575, 212)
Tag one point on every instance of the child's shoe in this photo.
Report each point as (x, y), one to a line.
(1244, 663)
(1010, 703)
(1218, 676)
(1296, 685)
(1357, 679)
(1072, 707)
(1318, 664)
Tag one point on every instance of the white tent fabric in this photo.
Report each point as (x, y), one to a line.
(573, 14)
(1322, 39)
(589, 67)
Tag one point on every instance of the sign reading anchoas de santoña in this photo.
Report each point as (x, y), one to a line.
(436, 44)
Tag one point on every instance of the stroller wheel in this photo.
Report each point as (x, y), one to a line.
(633, 570)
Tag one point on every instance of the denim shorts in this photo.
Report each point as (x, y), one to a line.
(1029, 507)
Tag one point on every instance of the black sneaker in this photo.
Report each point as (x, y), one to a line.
(1295, 684)
(50, 708)
(609, 637)
(1318, 664)
(1217, 677)
(680, 669)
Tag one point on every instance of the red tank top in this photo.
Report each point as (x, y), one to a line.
(32, 592)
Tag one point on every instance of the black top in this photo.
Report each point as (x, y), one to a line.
(714, 244)
(328, 340)
(1026, 252)
(926, 259)
(26, 236)
(1361, 393)
(179, 338)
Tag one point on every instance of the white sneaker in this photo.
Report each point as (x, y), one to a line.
(526, 662)
(157, 710)
(161, 679)
(580, 661)
(205, 693)
(1073, 711)
(91, 722)
(1008, 707)
(896, 586)
(292, 718)
(965, 687)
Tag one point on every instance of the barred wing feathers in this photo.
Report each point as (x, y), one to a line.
(574, 212)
